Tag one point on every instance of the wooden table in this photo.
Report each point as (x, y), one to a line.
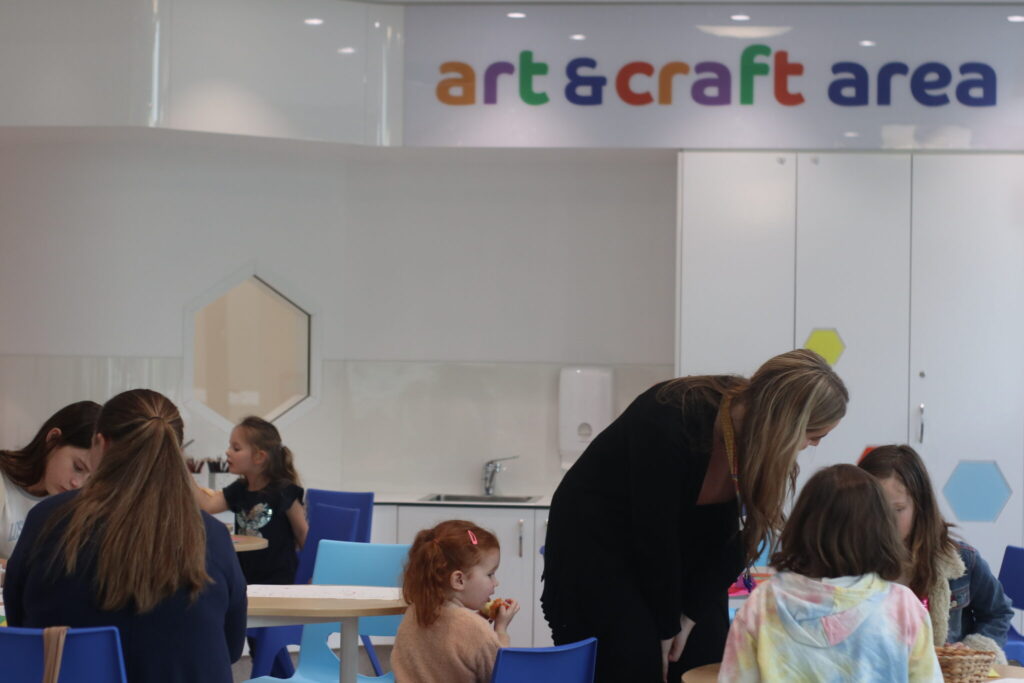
(246, 543)
(309, 604)
(709, 673)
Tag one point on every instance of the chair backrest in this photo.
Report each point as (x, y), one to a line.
(362, 501)
(91, 655)
(572, 663)
(351, 564)
(327, 522)
(1011, 575)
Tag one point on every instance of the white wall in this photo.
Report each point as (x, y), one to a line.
(492, 267)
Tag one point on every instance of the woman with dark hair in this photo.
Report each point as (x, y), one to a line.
(58, 459)
(644, 532)
(965, 601)
(133, 550)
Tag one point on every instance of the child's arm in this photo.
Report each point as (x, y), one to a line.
(739, 661)
(504, 617)
(300, 527)
(924, 664)
(209, 500)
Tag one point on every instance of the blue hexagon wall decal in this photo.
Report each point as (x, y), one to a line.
(977, 490)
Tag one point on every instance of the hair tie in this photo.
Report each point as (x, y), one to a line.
(472, 536)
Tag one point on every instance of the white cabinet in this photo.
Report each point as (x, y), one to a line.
(967, 327)
(384, 525)
(541, 630)
(915, 259)
(514, 528)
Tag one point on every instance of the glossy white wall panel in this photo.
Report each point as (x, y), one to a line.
(852, 274)
(737, 226)
(86, 63)
(256, 68)
(459, 255)
(967, 325)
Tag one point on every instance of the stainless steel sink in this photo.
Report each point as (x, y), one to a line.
(465, 498)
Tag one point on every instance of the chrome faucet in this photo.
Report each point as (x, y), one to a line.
(491, 469)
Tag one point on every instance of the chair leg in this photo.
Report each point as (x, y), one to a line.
(372, 654)
(282, 667)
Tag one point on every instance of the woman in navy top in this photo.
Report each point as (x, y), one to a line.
(133, 550)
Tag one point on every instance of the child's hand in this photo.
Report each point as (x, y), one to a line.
(505, 613)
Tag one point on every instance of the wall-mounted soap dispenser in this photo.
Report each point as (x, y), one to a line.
(584, 409)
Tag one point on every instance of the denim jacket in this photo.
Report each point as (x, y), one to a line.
(977, 603)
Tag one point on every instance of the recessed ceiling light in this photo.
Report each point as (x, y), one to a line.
(577, 36)
(516, 15)
(376, 24)
(851, 134)
(313, 21)
(740, 17)
(346, 50)
(867, 43)
(1015, 18)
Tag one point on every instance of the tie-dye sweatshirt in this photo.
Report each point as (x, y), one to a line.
(852, 630)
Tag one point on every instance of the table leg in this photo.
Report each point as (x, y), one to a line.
(349, 667)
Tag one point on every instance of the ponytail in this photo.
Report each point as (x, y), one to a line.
(435, 555)
(137, 514)
(263, 436)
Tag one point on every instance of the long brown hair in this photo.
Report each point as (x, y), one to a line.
(929, 533)
(434, 556)
(137, 512)
(841, 525)
(263, 436)
(27, 467)
(789, 395)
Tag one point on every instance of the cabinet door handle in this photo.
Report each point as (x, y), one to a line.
(522, 523)
(920, 436)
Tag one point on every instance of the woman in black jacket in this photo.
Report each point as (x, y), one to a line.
(644, 532)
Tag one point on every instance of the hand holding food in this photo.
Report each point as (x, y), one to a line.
(490, 609)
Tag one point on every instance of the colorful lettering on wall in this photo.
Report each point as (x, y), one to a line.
(641, 83)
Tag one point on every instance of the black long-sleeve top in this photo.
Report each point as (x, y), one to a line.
(625, 517)
(177, 642)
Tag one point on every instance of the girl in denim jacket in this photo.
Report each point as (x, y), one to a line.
(965, 601)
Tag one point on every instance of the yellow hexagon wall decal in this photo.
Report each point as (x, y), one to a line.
(827, 342)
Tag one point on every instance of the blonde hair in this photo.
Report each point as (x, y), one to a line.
(790, 395)
(263, 436)
(138, 509)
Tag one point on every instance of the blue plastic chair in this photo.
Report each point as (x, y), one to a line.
(269, 648)
(351, 564)
(91, 655)
(572, 663)
(1011, 575)
(362, 501)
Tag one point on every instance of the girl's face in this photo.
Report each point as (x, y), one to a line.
(901, 503)
(475, 587)
(67, 468)
(243, 459)
(813, 438)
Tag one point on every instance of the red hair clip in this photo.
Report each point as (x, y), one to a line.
(472, 536)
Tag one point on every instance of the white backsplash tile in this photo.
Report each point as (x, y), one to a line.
(384, 426)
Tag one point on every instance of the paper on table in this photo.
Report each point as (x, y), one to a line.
(325, 592)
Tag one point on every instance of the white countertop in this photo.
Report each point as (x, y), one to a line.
(392, 498)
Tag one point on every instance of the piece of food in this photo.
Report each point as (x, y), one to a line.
(490, 608)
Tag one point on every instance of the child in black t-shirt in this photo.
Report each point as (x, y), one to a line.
(266, 500)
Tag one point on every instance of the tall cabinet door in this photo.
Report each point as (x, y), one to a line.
(735, 241)
(853, 291)
(967, 341)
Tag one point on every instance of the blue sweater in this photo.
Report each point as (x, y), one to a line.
(177, 642)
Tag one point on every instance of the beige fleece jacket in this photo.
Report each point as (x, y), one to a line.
(460, 647)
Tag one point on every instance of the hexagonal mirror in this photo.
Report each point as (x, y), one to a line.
(252, 352)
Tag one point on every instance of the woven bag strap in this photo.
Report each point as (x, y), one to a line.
(53, 652)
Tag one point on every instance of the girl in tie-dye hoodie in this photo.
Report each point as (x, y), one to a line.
(832, 612)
